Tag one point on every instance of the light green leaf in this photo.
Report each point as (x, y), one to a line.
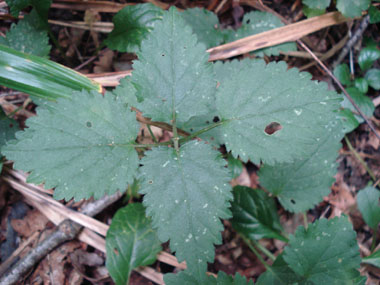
(187, 195)
(373, 259)
(361, 84)
(132, 24)
(205, 25)
(342, 73)
(40, 77)
(348, 120)
(260, 96)
(185, 278)
(317, 4)
(352, 8)
(301, 185)
(177, 80)
(367, 57)
(257, 22)
(28, 36)
(126, 92)
(373, 78)
(82, 146)
(368, 204)
(131, 242)
(235, 166)
(374, 15)
(326, 253)
(42, 6)
(364, 103)
(254, 214)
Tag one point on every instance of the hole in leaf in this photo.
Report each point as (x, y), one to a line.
(116, 251)
(216, 119)
(162, 55)
(88, 124)
(293, 202)
(150, 181)
(248, 21)
(272, 128)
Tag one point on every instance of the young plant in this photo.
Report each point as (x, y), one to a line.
(84, 144)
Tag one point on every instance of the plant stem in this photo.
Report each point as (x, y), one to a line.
(151, 134)
(196, 134)
(264, 250)
(374, 235)
(248, 242)
(358, 157)
(305, 220)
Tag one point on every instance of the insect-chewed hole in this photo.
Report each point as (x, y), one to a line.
(248, 21)
(292, 201)
(88, 124)
(115, 251)
(273, 127)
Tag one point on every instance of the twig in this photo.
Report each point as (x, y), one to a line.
(352, 41)
(66, 231)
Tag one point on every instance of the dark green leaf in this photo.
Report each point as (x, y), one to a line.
(42, 6)
(301, 185)
(185, 278)
(132, 24)
(367, 57)
(373, 259)
(28, 36)
(342, 73)
(257, 99)
(8, 128)
(368, 204)
(257, 22)
(317, 4)
(361, 84)
(40, 77)
(326, 253)
(374, 15)
(254, 214)
(177, 80)
(84, 146)
(310, 12)
(364, 103)
(349, 122)
(205, 25)
(187, 195)
(352, 8)
(373, 78)
(131, 242)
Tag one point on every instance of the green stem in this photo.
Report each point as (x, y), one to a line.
(304, 214)
(358, 157)
(151, 134)
(374, 235)
(196, 134)
(248, 242)
(264, 250)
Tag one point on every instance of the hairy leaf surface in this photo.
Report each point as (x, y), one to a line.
(173, 74)
(132, 24)
(325, 253)
(258, 96)
(131, 242)
(255, 214)
(186, 196)
(82, 146)
(257, 22)
(368, 204)
(28, 36)
(301, 185)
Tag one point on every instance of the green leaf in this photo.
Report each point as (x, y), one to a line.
(310, 12)
(373, 259)
(187, 195)
(317, 4)
(326, 253)
(374, 15)
(205, 25)
(84, 146)
(368, 204)
(42, 6)
(177, 80)
(8, 128)
(40, 77)
(361, 84)
(259, 96)
(185, 278)
(235, 165)
(132, 25)
(367, 57)
(279, 274)
(131, 242)
(342, 73)
(364, 103)
(28, 36)
(254, 214)
(373, 78)
(352, 8)
(126, 92)
(257, 22)
(348, 120)
(301, 185)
